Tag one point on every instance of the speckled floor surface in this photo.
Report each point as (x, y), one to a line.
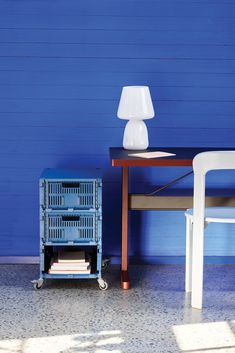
(154, 316)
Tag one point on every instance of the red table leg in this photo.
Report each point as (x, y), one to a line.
(125, 281)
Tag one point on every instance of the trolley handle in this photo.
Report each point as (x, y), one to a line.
(70, 218)
(70, 185)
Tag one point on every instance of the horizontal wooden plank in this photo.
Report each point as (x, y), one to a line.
(28, 167)
(74, 92)
(113, 8)
(84, 136)
(61, 149)
(113, 81)
(56, 119)
(174, 120)
(62, 3)
(27, 179)
(100, 107)
(73, 120)
(117, 51)
(134, 22)
(143, 37)
(98, 66)
(58, 134)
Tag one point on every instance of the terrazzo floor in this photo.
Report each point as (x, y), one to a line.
(154, 316)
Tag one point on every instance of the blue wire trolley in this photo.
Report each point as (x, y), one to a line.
(70, 223)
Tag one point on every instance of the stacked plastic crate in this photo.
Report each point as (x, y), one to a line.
(70, 222)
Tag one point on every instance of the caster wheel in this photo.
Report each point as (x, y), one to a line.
(104, 286)
(37, 284)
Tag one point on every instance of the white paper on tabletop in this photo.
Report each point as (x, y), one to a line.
(155, 154)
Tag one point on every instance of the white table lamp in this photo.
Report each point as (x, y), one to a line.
(135, 105)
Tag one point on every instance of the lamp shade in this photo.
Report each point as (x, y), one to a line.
(135, 103)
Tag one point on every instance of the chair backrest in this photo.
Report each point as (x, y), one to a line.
(202, 163)
(213, 160)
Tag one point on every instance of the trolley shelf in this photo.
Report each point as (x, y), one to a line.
(73, 275)
(70, 243)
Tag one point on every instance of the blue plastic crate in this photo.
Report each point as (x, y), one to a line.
(71, 194)
(76, 227)
(66, 189)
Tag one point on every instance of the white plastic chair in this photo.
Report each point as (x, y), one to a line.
(198, 217)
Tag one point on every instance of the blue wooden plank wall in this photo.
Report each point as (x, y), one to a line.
(62, 66)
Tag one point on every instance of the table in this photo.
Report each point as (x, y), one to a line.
(121, 158)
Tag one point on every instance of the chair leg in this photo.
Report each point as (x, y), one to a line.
(197, 267)
(198, 238)
(188, 259)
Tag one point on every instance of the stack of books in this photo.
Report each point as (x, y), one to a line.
(70, 262)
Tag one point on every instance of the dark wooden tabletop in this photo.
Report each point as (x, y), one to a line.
(183, 156)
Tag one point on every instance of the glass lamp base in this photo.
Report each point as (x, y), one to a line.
(135, 135)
